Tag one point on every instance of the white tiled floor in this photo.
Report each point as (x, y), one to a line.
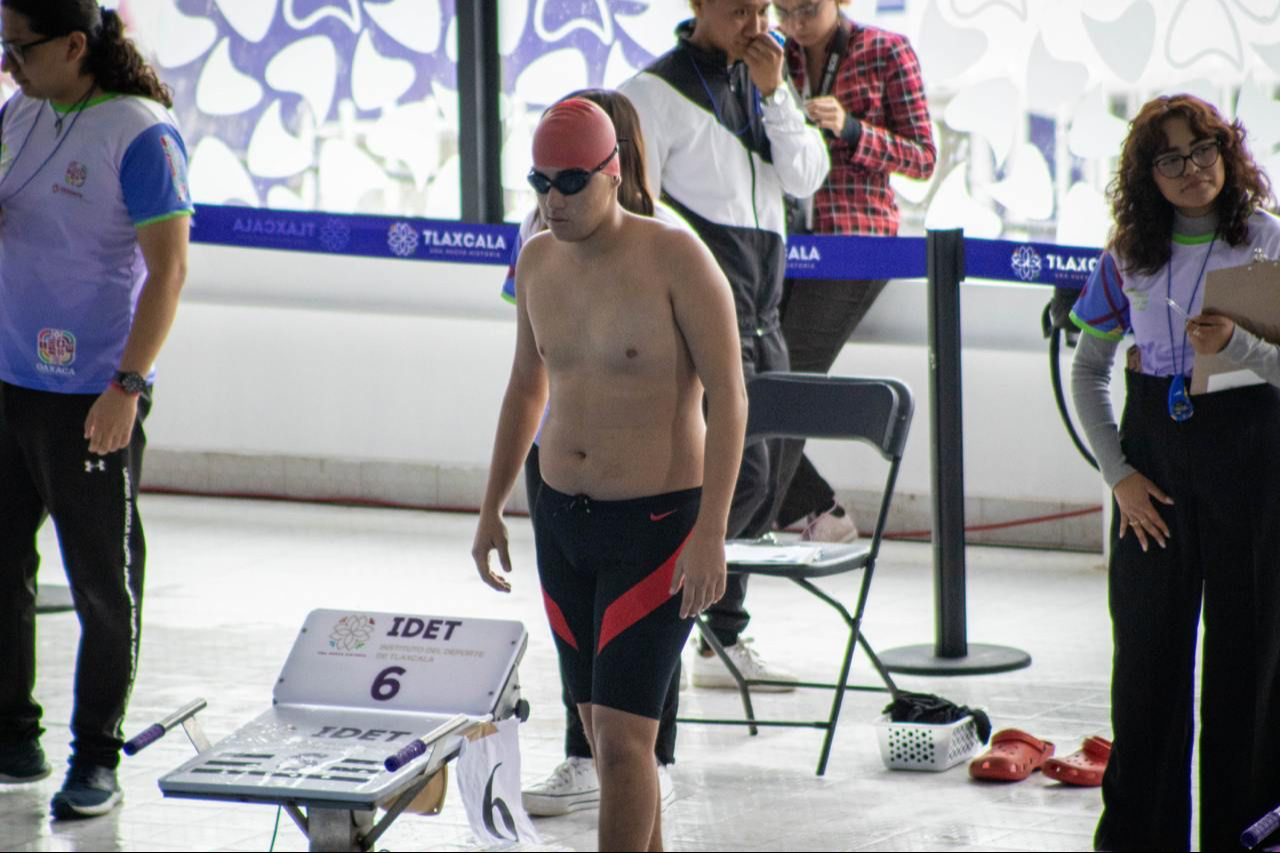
(229, 582)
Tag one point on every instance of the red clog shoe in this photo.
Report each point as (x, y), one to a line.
(1083, 767)
(1014, 755)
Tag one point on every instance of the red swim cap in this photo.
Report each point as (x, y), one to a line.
(575, 134)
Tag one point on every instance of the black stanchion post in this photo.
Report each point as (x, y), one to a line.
(945, 258)
(952, 654)
(480, 133)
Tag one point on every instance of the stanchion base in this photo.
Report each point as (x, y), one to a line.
(982, 659)
(53, 599)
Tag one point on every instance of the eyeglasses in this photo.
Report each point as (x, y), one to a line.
(799, 14)
(1203, 155)
(569, 181)
(17, 53)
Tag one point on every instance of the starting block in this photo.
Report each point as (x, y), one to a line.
(369, 709)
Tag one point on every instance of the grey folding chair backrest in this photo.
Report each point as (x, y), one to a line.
(811, 405)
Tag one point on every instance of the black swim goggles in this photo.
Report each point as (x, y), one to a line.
(569, 181)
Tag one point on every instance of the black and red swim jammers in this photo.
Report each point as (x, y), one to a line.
(606, 569)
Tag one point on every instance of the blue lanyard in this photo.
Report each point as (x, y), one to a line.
(1180, 353)
(715, 108)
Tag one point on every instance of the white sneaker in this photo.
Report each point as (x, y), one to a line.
(826, 527)
(666, 788)
(711, 672)
(571, 787)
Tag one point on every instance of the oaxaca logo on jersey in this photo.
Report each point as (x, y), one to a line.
(77, 174)
(1026, 263)
(56, 347)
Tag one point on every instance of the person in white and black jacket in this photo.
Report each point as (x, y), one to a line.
(726, 137)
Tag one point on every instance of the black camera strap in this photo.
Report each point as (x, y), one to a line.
(835, 55)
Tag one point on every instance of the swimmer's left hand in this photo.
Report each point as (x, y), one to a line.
(491, 535)
(1210, 333)
(701, 571)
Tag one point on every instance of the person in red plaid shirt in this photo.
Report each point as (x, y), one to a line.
(862, 86)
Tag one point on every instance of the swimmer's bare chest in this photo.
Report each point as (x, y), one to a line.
(624, 418)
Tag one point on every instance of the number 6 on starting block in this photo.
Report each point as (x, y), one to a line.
(367, 708)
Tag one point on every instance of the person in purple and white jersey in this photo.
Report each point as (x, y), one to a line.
(93, 245)
(1196, 481)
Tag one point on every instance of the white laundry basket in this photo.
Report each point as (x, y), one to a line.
(926, 746)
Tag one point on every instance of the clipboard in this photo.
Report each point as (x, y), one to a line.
(1249, 295)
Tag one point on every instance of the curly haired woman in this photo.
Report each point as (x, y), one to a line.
(1196, 482)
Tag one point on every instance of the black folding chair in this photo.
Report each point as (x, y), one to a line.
(805, 405)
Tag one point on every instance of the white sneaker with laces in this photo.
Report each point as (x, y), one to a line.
(711, 672)
(574, 786)
(571, 787)
(828, 527)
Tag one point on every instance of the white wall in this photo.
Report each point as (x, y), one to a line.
(319, 376)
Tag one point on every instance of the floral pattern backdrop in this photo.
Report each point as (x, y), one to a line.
(351, 105)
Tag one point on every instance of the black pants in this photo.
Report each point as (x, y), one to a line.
(1222, 470)
(754, 495)
(818, 316)
(46, 470)
(575, 737)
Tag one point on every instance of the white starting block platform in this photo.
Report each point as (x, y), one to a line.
(369, 707)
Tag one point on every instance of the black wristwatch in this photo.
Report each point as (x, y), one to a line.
(130, 383)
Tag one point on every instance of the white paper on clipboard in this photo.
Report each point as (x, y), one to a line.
(749, 552)
(1249, 295)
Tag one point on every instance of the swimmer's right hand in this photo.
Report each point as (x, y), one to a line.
(491, 535)
(701, 571)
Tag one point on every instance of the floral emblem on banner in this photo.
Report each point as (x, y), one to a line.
(335, 235)
(1026, 263)
(351, 633)
(402, 239)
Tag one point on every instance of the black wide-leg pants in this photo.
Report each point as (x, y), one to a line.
(1222, 469)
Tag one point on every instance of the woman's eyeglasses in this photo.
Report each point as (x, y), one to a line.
(17, 53)
(807, 12)
(1174, 165)
(569, 181)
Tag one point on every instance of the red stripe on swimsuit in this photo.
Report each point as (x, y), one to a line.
(639, 601)
(559, 624)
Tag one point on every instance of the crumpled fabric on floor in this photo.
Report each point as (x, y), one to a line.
(908, 707)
